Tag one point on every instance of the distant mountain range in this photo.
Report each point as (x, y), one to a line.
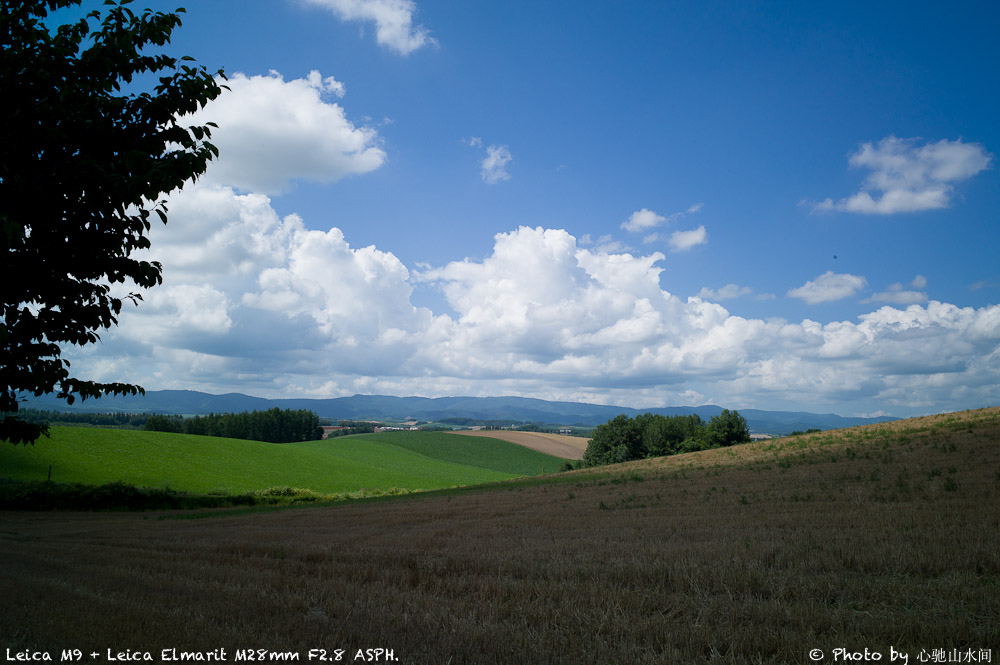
(380, 407)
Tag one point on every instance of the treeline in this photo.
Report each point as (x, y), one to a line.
(623, 439)
(110, 420)
(274, 425)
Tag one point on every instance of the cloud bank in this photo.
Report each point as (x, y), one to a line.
(259, 302)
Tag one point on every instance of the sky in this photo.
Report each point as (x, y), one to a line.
(778, 205)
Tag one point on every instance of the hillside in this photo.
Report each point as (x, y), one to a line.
(881, 537)
(199, 464)
(374, 407)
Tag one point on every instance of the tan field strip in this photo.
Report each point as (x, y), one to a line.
(558, 445)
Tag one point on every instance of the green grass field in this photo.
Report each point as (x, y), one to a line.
(400, 460)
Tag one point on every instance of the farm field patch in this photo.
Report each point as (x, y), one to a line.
(559, 445)
(497, 453)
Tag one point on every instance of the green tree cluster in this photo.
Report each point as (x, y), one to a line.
(93, 136)
(623, 439)
(274, 425)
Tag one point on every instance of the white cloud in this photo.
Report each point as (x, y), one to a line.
(272, 132)
(679, 241)
(897, 294)
(640, 220)
(494, 165)
(393, 20)
(682, 241)
(907, 177)
(645, 219)
(243, 284)
(183, 311)
(727, 292)
(828, 287)
(218, 237)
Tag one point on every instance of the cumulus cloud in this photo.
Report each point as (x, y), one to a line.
(394, 28)
(246, 286)
(828, 287)
(272, 132)
(494, 165)
(908, 177)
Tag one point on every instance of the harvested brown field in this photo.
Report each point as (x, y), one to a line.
(558, 445)
(875, 538)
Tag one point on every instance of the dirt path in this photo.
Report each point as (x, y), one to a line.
(559, 445)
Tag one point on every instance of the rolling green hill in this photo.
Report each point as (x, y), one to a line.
(401, 460)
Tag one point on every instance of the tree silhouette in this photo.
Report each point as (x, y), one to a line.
(92, 138)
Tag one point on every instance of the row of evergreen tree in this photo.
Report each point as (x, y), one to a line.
(274, 425)
(623, 439)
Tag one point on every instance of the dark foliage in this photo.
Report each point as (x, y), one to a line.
(109, 420)
(160, 423)
(86, 159)
(623, 439)
(274, 425)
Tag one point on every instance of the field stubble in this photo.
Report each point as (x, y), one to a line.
(865, 538)
(559, 445)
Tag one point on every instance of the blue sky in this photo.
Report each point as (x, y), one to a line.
(759, 205)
